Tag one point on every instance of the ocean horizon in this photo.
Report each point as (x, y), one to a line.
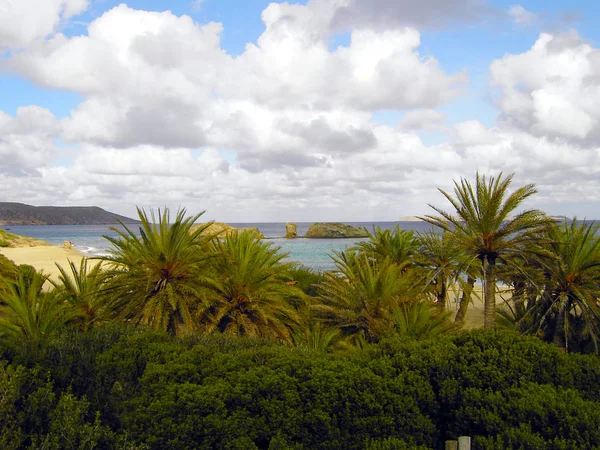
(311, 253)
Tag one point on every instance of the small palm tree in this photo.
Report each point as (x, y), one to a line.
(158, 277)
(481, 226)
(317, 337)
(440, 264)
(360, 296)
(83, 288)
(572, 283)
(28, 315)
(421, 320)
(398, 245)
(251, 293)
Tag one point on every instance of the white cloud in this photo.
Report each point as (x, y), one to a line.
(24, 21)
(286, 130)
(521, 16)
(27, 141)
(291, 64)
(553, 89)
(473, 132)
(422, 119)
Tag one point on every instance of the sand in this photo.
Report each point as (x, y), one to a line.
(43, 258)
(474, 316)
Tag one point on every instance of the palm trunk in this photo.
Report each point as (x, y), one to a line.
(465, 300)
(518, 296)
(442, 294)
(489, 293)
(560, 338)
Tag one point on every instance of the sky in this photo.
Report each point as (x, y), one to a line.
(318, 110)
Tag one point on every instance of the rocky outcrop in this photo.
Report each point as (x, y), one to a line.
(334, 230)
(222, 230)
(291, 231)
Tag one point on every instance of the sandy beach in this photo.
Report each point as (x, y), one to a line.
(43, 258)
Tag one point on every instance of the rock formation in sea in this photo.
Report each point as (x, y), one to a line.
(220, 229)
(291, 231)
(334, 230)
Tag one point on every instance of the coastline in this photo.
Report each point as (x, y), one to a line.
(44, 258)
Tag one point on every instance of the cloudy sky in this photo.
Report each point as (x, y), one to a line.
(300, 111)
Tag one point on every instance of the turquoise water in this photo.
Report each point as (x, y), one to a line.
(313, 253)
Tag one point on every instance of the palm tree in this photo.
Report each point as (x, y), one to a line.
(251, 293)
(440, 263)
(466, 298)
(572, 283)
(421, 320)
(8, 271)
(360, 296)
(83, 288)
(482, 227)
(398, 245)
(159, 277)
(28, 315)
(316, 336)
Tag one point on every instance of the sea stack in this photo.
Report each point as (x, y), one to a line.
(291, 231)
(334, 230)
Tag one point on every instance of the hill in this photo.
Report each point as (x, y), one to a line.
(21, 214)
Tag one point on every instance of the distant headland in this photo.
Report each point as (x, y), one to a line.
(409, 219)
(21, 214)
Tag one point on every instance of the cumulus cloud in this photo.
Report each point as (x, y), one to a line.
(287, 130)
(27, 141)
(553, 89)
(22, 22)
(156, 79)
(292, 64)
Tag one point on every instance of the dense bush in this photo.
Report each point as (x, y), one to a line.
(504, 390)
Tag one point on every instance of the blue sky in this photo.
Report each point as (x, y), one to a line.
(273, 133)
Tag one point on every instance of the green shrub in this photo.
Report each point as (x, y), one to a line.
(206, 400)
(117, 386)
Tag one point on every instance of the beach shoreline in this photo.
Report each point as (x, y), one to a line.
(44, 258)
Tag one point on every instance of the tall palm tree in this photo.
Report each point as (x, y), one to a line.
(362, 294)
(29, 316)
(158, 277)
(251, 293)
(481, 225)
(83, 288)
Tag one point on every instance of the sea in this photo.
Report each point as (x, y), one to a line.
(312, 253)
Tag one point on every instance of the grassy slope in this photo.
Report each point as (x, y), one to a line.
(9, 240)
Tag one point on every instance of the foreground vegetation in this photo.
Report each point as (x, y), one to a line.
(180, 339)
(121, 387)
